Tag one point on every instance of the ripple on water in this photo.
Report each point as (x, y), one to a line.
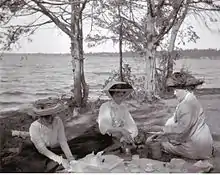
(41, 76)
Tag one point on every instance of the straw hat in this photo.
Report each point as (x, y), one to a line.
(118, 86)
(183, 80)
(47, 110)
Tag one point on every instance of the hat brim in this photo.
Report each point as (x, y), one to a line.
(183, 86)
(180, 80)
(48, 111)
(109, 88)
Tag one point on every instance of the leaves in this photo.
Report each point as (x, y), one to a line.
(39, 13)
(187, 35)
(139, 26)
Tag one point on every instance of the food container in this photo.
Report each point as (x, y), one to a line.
(155, 149)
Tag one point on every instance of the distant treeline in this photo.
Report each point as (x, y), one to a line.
(189, 53)
(195, 53)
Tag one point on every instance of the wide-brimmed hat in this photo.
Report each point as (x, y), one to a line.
(53, 109)
(118, 86)
(183, 80)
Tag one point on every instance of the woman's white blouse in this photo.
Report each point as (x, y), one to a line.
(112, 115)
(42, 135)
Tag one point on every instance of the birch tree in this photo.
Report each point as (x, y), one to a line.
(66, 15)
(144, 25)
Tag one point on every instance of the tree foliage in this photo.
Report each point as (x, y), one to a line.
(137, 13)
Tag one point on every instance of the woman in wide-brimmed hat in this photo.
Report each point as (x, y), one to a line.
(187, 133)
(48, 132)
(114, 118)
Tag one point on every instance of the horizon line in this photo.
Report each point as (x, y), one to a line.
(67, 53)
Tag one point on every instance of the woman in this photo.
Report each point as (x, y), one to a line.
(48, 132)
(45, 150)
(114, 118)
(188, 134)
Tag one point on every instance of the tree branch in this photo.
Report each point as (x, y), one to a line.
(167, 29)
(59, 24)
(83, 6)
(30, 25)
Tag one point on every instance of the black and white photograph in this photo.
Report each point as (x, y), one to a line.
(109, 86)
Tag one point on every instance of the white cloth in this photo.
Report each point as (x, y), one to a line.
(170, 121)
(112, 115)
(43, 137)
(188, 128)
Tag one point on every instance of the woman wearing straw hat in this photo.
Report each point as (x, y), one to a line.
(114, 118)
(48, 141)
(187, 133)
(48, 132)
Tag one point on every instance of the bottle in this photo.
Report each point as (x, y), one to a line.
(128, 156)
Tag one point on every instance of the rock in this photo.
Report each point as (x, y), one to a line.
(202, 166)
(177, 163)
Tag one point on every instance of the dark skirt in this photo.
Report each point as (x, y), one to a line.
(30, 160)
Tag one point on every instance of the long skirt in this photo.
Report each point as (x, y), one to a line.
(30, 160)
(198, 146)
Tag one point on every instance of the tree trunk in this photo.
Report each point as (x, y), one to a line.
(120, 45)
(84, 86)
(150, 50)
(80, 87)
(120, 53)
(77, 91)
(150, 68)
(171, 48)
(174, 32)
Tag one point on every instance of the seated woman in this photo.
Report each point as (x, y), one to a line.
(42, 152)
(187, 133)
(48, 132)
(114, 118)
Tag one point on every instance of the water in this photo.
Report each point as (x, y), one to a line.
(40, 76)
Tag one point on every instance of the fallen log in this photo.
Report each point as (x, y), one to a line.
(22, 134)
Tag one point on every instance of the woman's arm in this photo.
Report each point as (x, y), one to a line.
(185, 117)
(130, 123)
(117, 131)
(63, 141)
(40, 145)
(104, 120)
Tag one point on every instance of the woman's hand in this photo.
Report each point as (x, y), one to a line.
(126, 136)
(174, 142)
(71, 159)
(65, 163)
(155, 137)
(121, 133)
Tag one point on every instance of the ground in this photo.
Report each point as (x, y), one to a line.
(147, 116)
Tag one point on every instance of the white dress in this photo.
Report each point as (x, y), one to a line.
(188, 128)
(112, 115)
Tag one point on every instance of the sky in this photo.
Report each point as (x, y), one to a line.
(52, 40)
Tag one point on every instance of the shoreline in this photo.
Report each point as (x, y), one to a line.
(24, 107)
